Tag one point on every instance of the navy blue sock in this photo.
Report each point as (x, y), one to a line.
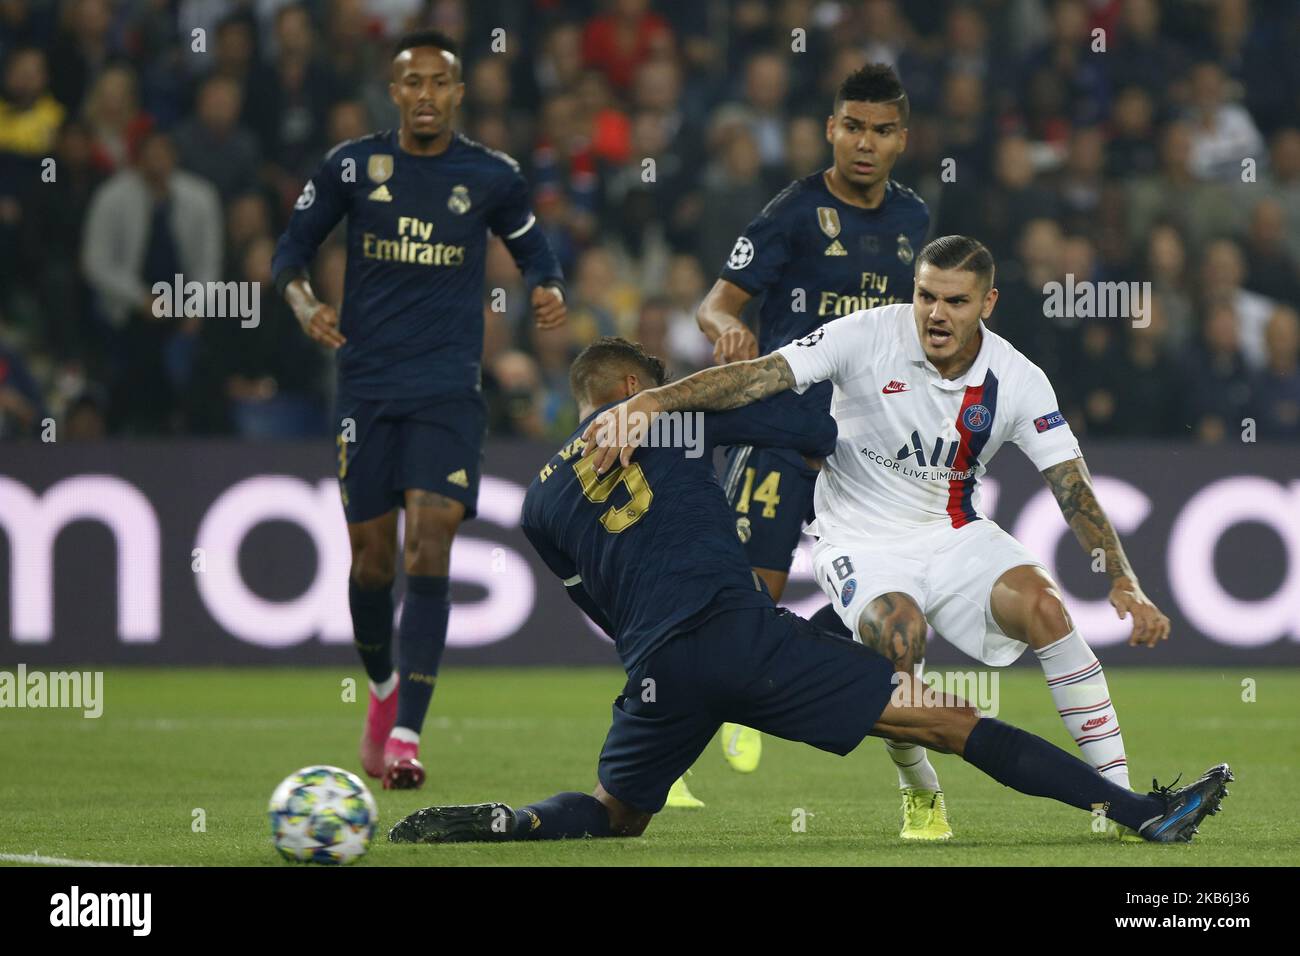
(372, 629)
(563, 816)
(420, 639)
(828, 620)
(1024, 762)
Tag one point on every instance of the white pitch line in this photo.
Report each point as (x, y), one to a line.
(35, 859)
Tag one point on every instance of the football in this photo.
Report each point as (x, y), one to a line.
(322, 815)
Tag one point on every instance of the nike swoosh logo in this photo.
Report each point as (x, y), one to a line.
(1192, 805)
(892, 391)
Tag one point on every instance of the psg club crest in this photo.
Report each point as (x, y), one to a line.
(458, 202)
(379, 168)
(829, 220)
(850, 587)
(977, 418)
(905, 253)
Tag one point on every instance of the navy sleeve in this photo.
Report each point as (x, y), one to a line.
(564, 569)
(579, 596)
(512, 219)
(782, 421)
(560, 566)
(760, 255)
(318, 210)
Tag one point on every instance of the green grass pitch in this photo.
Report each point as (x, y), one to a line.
(125, 787)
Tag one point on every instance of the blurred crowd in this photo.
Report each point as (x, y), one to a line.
(181, 133)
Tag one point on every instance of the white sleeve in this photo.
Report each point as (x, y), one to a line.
(1041, 430)
(827, 353)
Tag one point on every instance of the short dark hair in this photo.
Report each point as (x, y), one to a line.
(607, 359)
(874, 83)
(962, 253)
(435, 38)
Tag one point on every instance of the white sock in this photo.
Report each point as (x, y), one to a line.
(913, 763)
(387, 687)
(405, 734)
(1082, 698)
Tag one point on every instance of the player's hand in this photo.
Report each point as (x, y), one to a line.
(1150, 626)
(548, 307)
(616, 432)
(737, 344)
(322, 324)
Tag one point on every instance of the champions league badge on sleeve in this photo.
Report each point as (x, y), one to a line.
(1048, 421)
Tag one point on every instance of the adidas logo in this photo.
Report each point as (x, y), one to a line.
(458, 478)
(835, 249)
(382, 194)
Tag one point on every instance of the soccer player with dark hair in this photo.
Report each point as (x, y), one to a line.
(411, 418)
(835, 242)
(646, 549)
(924, 395)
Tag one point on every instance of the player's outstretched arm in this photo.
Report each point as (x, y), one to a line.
(1072, 485)
(719, 318)
(614, 433)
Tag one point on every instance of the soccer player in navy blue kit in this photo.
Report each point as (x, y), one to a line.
(420, 201)
(647, 549)
(835, 242)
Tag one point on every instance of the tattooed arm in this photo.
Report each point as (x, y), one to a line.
(724, 387)
(712, 390)
(1072, 486)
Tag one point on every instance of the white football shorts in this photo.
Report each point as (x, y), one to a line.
(949, 573)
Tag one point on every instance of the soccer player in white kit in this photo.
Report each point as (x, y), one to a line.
(924, 395)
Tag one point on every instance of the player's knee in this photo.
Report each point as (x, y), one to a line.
(428, 551)
(894, 626)
(632, 824)
(373, 568)
(1046, 616)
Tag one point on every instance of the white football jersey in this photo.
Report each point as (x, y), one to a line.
(912, 444)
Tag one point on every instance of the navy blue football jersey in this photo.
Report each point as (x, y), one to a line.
(416, 240)
(812, 257)
(650, 550)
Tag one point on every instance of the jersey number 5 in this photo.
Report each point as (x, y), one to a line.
(597, 489)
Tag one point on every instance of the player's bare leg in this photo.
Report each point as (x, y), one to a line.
(893, 626)
(370, 600)
(1028, 607)
(1025, 762)
(431, 523)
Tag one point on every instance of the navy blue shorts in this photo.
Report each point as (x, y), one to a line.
(762, 667)
(771, 491)
(430, 444)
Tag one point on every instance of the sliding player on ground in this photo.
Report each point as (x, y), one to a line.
(646, 550)
(411, 418)
(833, 243)
(924, 395)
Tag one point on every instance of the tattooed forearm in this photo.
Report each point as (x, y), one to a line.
(1072, 486)
(727, 386)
